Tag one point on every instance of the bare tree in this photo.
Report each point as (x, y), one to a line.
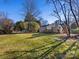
(72, 10)
(30, 8)
(66, 14)
(5, 22)
(61, 9)
(30, 12)
(43, 22)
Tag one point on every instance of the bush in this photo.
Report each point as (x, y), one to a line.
(75, 31)
(33, 27)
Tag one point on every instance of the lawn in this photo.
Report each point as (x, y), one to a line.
(36, 46)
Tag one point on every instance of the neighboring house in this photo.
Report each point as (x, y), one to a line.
(43, 28)
(53, 28)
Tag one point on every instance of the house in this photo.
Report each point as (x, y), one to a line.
(43, 28)
(52, 28)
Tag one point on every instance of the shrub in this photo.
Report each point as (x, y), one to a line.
(75, 31)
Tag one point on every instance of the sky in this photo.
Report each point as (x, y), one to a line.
(13, 8)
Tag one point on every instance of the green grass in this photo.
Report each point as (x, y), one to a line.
(75, 31)
(23, 41)
(35, 45)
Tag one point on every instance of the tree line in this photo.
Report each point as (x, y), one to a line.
(66, 11)
(30, 23)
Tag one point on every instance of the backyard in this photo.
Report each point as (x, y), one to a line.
(37, 46)
(39, 29)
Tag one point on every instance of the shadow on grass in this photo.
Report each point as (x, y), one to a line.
(18, 55)
(63, 55)
(31, 54)
(50, 49)
(13, 54)
(35, 35)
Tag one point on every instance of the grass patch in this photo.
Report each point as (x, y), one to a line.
(33, 46)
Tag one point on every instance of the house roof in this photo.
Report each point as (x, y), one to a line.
(44, 25)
